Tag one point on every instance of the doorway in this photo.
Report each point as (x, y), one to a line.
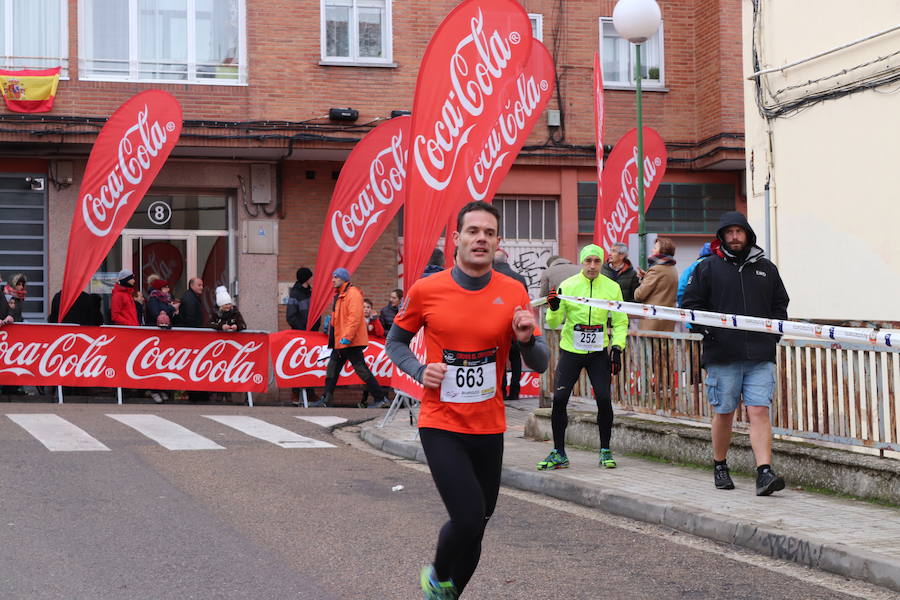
(177, 257)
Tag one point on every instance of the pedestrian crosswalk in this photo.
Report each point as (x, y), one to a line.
(60, 435)
(57, 434)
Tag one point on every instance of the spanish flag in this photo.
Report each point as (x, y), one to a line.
(29, 91)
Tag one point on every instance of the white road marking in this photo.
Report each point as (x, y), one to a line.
(268, 432)
(57, 434)
(325, 421)
(167, 434)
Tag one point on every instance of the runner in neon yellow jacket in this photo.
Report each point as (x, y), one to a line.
(571, 314)
(585, 344)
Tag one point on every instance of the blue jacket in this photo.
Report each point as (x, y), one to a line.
(686, 274)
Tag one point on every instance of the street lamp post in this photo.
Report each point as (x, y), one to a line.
(637, 21)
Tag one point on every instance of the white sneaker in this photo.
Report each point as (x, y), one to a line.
(157, 397)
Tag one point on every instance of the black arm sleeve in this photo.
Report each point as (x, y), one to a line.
(398, 351)
(537, 354)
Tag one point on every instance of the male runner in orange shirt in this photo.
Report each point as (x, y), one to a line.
(471, 315)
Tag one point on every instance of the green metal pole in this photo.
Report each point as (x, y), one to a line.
(642, 231)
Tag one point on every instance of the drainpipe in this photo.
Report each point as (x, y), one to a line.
(768, 223)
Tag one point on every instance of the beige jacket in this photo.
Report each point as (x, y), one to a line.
(659, 287)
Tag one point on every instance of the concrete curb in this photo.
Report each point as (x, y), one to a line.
(843, 560)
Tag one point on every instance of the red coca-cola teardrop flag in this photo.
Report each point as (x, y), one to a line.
(462, 94)
(368, 193)
(527, 96)
(128, 154)
(618, 217)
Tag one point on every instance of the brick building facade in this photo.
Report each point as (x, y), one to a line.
(258, 154)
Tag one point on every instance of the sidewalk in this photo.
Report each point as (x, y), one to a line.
(851, 538)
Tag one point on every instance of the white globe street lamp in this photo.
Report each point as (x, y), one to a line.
(637, 21)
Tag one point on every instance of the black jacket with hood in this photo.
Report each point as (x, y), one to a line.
(744, 284)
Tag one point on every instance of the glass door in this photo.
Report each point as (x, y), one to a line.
(178, 257)
(158, 257)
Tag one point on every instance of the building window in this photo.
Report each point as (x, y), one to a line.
(23, 238)
(618, 57)
(689, 207)
(185, 41)
(676, 208)
(527, 217)
(356, 32)
(34, 34)
(537, 25)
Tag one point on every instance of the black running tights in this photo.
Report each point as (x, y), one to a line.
(568, 369)
(355, 355)
(466, 471)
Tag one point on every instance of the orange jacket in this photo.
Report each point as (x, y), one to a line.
(347, 320)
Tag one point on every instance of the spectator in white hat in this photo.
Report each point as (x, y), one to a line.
(227, 317)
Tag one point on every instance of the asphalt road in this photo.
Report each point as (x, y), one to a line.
(255, 520)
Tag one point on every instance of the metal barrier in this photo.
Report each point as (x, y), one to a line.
(836, 393)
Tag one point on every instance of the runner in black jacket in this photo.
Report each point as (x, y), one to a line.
(740, 365)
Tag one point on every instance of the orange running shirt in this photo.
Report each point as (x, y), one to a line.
(471, 331)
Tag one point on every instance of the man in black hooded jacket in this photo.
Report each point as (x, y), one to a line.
(740, 365)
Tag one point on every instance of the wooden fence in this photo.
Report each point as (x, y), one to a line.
(836, 393)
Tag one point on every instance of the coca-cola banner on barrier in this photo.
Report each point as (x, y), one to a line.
(598, 137)
(300, 359)
(128, 154)
(619, 195)
(464, 107)
(131, 357)
(369, 192)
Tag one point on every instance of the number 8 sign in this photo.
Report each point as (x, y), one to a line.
(159, 212)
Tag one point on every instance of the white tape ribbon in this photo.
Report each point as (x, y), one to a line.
(879, 338)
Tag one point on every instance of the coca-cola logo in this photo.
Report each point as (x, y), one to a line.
(620, 184)
(139, 145)
(301, 358)
(72, 354)
(387, 176)
(479, 62)
(517, 118)
(221, 360)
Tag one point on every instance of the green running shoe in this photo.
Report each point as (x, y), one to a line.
(554, 460)
(606, 459)
(432, 589)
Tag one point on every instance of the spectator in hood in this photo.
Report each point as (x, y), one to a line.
(686, 274)
(387, 314)
(618, 268)
(123, 310)
(740, 365)
(227, 317)
(558, 270)
(659, 283)
(435, 263)
(298, 302)
(15, 295)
